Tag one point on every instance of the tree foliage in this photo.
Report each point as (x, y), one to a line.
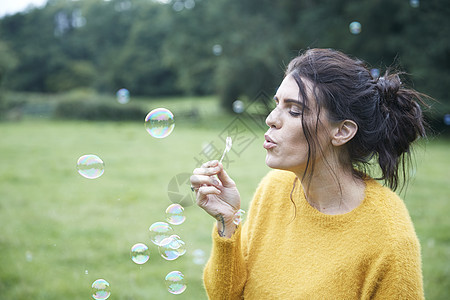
(230, 47)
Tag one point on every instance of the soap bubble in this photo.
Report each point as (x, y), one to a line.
(166, 251)
(355, 27)
(172, 247)
(447, 119)
(175, 282)
(174, 214)
(217, 49)
(123, 96)
(159, 123)
(159, 231)
(189, 4)
(238, 106)
(90, 166)
(100, 289)
(414, 3)
(29, 256)
(140, 253)
(178, 6)
(199, 256)
(238, 216)
(375, 73)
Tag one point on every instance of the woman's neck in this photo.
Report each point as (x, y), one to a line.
(333, 193)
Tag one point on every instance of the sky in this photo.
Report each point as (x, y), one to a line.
(9, 7)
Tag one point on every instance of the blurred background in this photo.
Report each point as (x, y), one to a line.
(79, 77)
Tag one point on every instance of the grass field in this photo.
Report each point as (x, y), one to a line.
(60, 231)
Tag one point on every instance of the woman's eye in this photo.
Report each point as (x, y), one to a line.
(295, 111)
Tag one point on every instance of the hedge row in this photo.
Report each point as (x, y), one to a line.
(98, 111)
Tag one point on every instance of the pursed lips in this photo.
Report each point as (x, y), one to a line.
(269, 143)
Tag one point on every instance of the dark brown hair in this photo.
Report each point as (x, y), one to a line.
(388, 114)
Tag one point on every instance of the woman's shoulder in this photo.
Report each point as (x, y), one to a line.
(390, 210)
(384, 197)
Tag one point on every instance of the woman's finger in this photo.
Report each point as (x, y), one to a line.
(208, 171)
(199, 180)
(203, 192)
(224, 178)
(211, 163)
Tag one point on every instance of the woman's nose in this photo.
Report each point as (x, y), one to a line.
(273, 119)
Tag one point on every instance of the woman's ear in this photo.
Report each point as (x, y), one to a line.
(343, 132)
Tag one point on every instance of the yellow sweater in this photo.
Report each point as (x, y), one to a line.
(371, 252)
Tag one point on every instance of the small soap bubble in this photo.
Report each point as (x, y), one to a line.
(199, 256)
(238, 216)
(29, 256)
(175, 282)
(90, 166)
(159, 231)
(174, 214)
(375, 73)
(140, 253)
(100, 289)
(355, 27)
(178, 6)
(447, 119)
(414, 3)
(238, 106)
(172, 247)
(159, 123)
(123, 96)
(217, 49)
(189, 4)
(86, 272)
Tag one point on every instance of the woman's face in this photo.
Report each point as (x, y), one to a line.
(285, 142)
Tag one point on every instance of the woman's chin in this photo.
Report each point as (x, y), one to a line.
(271, 163)
(279, 165)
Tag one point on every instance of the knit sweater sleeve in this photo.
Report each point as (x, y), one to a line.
(400, 276)
(225, 274)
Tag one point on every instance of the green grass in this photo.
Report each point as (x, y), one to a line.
(56, 225)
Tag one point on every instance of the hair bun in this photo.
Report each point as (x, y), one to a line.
(388, 86)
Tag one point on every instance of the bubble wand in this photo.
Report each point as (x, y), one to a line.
(240, 213)
(228, 145)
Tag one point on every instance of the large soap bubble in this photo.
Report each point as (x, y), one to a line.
(174, 214)
(100, 289)
(90, 166)
(175, 282)
(159, 231)
(159, 123)
(140, 253)
(172, 247)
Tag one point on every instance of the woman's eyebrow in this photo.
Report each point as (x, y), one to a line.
(290, 101)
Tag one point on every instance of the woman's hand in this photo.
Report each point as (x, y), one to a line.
(217, 195)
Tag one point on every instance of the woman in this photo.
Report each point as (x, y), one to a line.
(319, 227)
